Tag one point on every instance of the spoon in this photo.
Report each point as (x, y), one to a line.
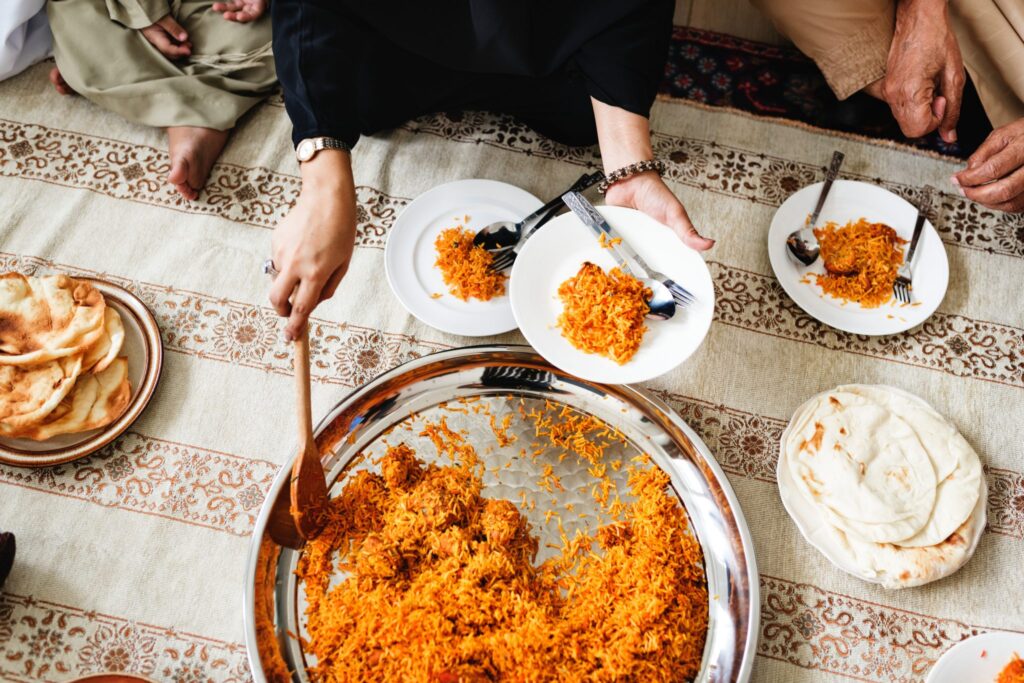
(505, 234)
(661, 305)
(308, 486)
(802, 244)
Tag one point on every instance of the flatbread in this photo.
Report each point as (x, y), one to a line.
(957, 465)
(955, 523)
(96, 401)
(864, 466)
(902, 567)
(42, 318)
(29, 394)
(105, 349)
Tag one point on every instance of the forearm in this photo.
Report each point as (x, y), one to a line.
(327, 178)
(624, 137)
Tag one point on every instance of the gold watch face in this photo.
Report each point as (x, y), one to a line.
(305, 150)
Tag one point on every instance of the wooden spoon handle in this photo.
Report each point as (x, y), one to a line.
(305, 412)
(309, 488)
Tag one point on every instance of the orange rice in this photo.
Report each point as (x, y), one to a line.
(465, 267)
(861, 261)
(442, 585)
(1013, 672)
(603, 312)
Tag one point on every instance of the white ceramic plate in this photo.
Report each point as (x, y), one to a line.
(144, 351)
(848, 201)
(410, 255)
(814, 528)
(978, 659)
(556, 252)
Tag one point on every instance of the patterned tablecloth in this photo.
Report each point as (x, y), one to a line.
(133, 559)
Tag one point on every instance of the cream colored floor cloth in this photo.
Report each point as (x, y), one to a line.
(134, 559)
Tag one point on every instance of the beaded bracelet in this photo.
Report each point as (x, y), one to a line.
(631, 170)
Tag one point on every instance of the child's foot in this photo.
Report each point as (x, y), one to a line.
(59, 84)
(193, 152)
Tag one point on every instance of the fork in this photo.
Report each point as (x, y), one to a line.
(902, 286)
(590, 216)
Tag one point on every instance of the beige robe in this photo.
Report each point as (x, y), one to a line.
(849, 40)
(103, 56)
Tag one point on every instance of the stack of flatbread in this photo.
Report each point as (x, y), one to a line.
(60, 372)
(882, 484)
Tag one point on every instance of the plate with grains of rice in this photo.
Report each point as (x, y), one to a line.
(434, 269)
(586, 316)
(80, 358)
(864, 231)
(495, 518)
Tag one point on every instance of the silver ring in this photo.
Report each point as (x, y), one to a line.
(270, 269)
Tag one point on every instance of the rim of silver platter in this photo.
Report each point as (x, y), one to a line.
(650, 426)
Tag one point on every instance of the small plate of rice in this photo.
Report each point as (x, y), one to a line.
(865, 231)
(434, 269)
(587, 317)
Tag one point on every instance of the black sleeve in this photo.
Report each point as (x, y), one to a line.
(624, 64)
(314, 44)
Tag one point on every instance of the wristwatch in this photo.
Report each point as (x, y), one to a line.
(307, 149)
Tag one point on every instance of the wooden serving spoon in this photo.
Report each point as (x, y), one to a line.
(298, 513)
(309, 488)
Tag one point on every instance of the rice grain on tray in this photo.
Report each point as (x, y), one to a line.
(442, 585)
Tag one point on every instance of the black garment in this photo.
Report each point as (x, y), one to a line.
(6, 555)
(359, 66)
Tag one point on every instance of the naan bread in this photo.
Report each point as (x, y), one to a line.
(957, 466)
(96, 401)
(896, 566)
(29, 394)
(42, 318)
(864, 466)
(105, 349)
(957, 517)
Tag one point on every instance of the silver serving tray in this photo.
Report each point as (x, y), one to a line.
(420, 386)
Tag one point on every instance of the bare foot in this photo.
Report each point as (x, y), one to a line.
(59, 84)
(193, 152)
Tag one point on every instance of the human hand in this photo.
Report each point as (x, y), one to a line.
(169, 37)
(647, 192)
(994, 176)
(312, 246)
(924, 79)
(242, 11)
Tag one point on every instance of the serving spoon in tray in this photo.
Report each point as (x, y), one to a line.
(298, 513)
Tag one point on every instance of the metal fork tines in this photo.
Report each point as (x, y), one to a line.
(903, 285)
(680, 294)
(503, 260)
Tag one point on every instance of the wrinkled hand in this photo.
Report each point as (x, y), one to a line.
(994, 175)
(647, 192)
(311, 248)
(242, 11)
(169, 37)
(924, 79)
